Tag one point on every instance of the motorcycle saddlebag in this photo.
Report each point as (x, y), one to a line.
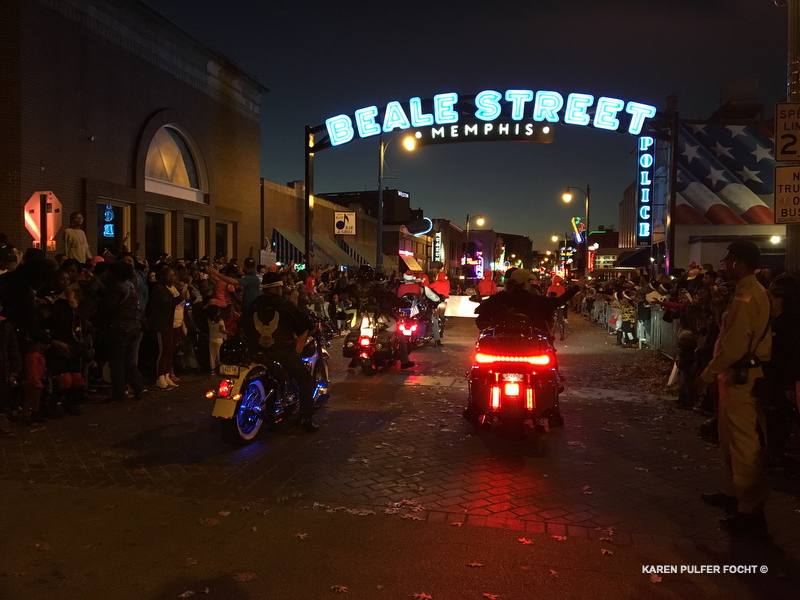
(350, 346)
(383, 344)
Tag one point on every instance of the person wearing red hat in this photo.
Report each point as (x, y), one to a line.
(487, 286)
(411, 286)
(442, 287)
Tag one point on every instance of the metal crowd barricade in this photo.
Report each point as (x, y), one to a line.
(664, 336)
(661, 337)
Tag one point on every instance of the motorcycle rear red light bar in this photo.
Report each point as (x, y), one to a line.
(482, 358)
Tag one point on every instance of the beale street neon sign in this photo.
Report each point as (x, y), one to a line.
(515, 114)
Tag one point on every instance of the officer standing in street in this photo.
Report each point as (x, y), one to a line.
(743, 344)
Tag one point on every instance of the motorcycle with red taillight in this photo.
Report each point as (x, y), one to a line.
(514, 379)
(371, 345)
(256, 391)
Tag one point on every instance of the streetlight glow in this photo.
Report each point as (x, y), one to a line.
(566, 196)
(554, 239)
(480, 222)
(410, 143)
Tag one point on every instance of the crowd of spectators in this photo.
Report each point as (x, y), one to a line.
(693, 300)
(74, 328)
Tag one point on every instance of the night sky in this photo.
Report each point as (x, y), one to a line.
(320, 59)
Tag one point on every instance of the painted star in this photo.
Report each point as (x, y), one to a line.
(761, 153)
(748, 175)
(691, 152)
(722, 151)
(716, 175)
(736, 130)
(697, 128)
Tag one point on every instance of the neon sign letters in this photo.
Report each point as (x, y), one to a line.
(644, 189)
(491, 107)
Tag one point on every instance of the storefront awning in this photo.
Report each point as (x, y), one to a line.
(289, 246)
(634, 258)
(328, 251)
(362, 253)
(411, 263)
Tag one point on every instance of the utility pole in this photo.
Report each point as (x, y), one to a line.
(793, 95)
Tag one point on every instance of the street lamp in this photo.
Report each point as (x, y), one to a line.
(479, 221)
(409, 144)
(567, 196)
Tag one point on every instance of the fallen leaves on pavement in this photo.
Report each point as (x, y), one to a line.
(189, 593)
(245, 576)
(339, 588)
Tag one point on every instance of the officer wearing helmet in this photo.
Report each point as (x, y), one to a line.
(517, 298)
(371, 289)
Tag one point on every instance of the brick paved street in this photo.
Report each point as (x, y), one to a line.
(395, 444)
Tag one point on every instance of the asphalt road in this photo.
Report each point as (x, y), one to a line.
(396, 496)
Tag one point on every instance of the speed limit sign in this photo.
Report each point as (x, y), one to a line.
(787, 131)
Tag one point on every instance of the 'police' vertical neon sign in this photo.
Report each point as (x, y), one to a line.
(644, 192)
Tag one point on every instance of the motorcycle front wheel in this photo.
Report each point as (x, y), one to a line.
(321, 378)
(248, 418)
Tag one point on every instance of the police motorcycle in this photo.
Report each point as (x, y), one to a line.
(514, 378)
(416, 323)
(370, 344)
(256, 391)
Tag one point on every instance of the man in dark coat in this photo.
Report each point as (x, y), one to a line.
(277, 328)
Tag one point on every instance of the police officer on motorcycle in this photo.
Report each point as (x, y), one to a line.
(276, 328)
(429, 300)
(517, 298)
(371, 289)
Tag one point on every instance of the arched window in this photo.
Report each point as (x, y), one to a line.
(171, 168)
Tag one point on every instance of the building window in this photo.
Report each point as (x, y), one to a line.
(172, 166)
(158, 240)
(223, 238)
(193, 238)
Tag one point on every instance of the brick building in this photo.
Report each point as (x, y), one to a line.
(126, 118)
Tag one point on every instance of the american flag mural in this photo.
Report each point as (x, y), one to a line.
(725, 175)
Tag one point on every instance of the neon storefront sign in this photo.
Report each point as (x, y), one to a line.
(644, 191)
(513, 114)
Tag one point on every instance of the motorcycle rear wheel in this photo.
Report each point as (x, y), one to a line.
(248, 418)
(369, 368)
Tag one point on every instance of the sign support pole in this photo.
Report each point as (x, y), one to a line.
(43, 223)
(793, 95)
(309, 192)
